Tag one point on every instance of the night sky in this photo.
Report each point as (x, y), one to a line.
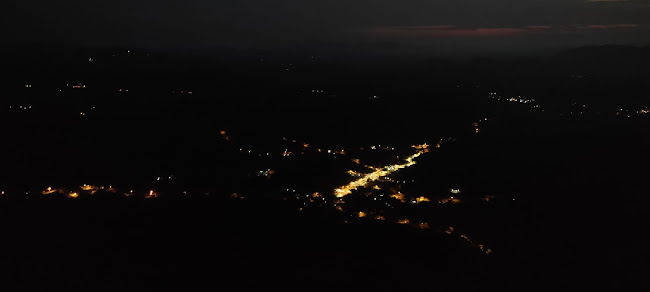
(444, 25)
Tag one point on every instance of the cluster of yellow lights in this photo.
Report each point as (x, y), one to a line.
(402, 198)
(422, 199)
(479, 245)
(379, 173)
(151, 195)
(424, 148)
(484, 249)
(224, 135)
(354, 173)
(421, 146)
(89, 188)
(399, 196)
(49, 190)
(450, 200)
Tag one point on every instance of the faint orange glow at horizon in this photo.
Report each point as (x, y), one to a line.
(448, 31)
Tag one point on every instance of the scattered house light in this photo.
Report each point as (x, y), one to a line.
(422, 199)
(403, 221)
(151, 195)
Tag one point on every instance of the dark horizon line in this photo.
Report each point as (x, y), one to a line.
(331, 49)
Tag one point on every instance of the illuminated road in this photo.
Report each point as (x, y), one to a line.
(343, 191)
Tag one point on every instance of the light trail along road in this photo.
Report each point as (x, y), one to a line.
(377, 173)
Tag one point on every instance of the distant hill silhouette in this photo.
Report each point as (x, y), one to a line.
(615, 56)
